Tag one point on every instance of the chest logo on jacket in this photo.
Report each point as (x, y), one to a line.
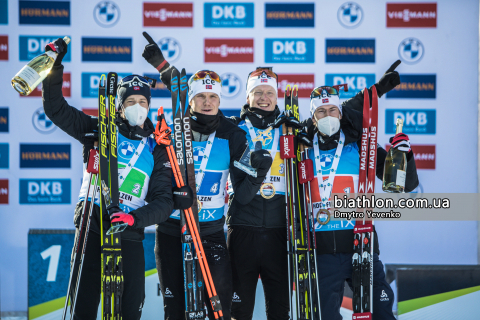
(198, 153)
(264, 136)
(127, 149)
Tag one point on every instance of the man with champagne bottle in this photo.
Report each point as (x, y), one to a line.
(336, 132)
(148, 179)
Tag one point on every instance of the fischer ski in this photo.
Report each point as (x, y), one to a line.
(362, 276)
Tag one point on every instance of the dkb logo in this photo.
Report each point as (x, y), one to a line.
(228, 15)
(32, 46)
(290, 50)
(45, 191)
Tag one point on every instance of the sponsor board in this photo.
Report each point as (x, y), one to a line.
(228, 50)
(422, 121)
(107, 49)
(45, 155)
(4, 12)
(3, 47)
(415, 86)
(3, 191)
(4, 119)
(424, 155)
(411, 50)
(350, 50)
(305, 83)
(41, 122)
(231, 85)
(90, 82)
(45, 191)
(350, 15)
(163, 14)
(289, 50)
(91, 112)
(44, 12)
(66, 88)
(160, 90)
(412, 15)
(356, 82)
(33, 46)
(228, 15)
(290, 15)
(106, 14)
(4, 156)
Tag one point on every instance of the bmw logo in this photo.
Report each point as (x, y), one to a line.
(170, 49)
(350, 15)
(230, 85)
(326, 161)
(41, 122)
(411, 50)
(198, 154)
(106, 13)
(126, 150)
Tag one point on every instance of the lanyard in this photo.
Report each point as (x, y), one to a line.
(327, 185)
(123, 175)
(274, 149)
(203, 165)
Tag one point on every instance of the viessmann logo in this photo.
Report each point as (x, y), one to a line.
(44, 12)
(350, 50)
(228, 50)
(411, 15)
(290, 15)
(3, 191)
(45, 155)
(161, 14)
(66, 88)
(3, 47)
(305, 83)
(107, 49)
(415, 86)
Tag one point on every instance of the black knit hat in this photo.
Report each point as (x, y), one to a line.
(130, 85)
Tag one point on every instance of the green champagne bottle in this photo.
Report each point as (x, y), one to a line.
(395, 169)
(30, 76)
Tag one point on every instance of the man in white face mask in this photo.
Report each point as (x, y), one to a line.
(134, 99)
(326, 110)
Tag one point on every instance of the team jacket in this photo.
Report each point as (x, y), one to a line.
(337, 236)
(229, 145)
(149, 180)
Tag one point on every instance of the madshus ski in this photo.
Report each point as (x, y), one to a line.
(112, 264)
(362, 276)
(196, 270)
(300, 226)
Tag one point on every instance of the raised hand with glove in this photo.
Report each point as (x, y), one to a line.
(389, 80)
(261, 160)
(60, 47)
(401, 142)
(154, 56)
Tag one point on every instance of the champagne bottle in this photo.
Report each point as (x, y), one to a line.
(395, 169)
(30, 76)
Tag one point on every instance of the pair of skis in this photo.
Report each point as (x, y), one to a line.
(300, 222)
(362, 277)
(112, 263)
(195, 266)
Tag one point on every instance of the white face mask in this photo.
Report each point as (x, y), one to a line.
(328, 125)
(136, 114)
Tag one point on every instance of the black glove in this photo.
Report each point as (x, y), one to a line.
(302, 137)
(60, 47)
(401, 142)
(288, 119)
(154, 56)
(389, 80)
(182, 198)
(262, 161)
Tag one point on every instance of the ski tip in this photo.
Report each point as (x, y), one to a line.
(103, 78)
(295, 90)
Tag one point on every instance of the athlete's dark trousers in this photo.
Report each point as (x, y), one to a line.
(257, 251)
(334, 270)
(90, 283)
(168, 255)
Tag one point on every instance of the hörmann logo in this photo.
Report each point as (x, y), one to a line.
(415, 86)
(3, 47)
(289, 15)
(107, 49)
(228, 15)
(411, 15)
(45, 155)
(161, 14)
(44, 12)
(228, 50)
(305, 83)
(350, 50)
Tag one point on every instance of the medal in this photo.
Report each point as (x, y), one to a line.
(320, 212)
(199, 206)
(267, 190)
